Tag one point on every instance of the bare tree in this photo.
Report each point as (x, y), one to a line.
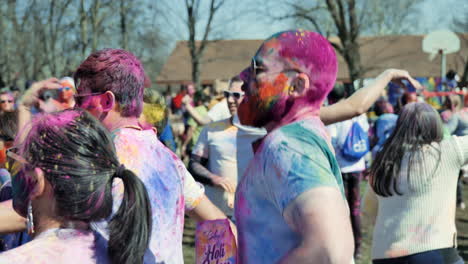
(123, 11)
(349, 19)
(92, 21)
(39, 39)
(460, 24)
(197, 48)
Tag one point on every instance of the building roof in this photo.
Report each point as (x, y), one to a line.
(225, 58)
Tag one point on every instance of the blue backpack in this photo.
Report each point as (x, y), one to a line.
(356, 144)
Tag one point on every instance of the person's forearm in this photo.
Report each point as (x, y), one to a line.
(24, 118)
(200, 173)
(10, 221)
(201, 120)
(206, 210)
(356, 104)
(365, 97)
(188, 137)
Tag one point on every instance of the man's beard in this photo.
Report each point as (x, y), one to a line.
(254, 112)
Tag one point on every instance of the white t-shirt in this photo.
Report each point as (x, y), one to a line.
(228, 148)
(245, 137)
(219, 111)
(218, 143)
(339, 132)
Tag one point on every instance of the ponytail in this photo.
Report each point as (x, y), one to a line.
(130, 228)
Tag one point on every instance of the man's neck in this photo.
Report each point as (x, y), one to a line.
(120, 122)
(295, 114)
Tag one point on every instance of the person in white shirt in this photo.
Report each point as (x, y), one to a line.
(214, 157)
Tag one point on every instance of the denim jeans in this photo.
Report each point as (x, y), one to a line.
(351, 186)
(437, 256)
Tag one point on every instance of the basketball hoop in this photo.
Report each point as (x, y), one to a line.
(441, 42)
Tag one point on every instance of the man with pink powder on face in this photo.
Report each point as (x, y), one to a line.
(110, 86)
(290, 205)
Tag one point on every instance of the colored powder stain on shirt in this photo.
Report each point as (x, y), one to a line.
(171, 190)
(60, 246)
(291, 160)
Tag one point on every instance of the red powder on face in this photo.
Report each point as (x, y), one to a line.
(303, 51)
(268, 89)
(246, 111)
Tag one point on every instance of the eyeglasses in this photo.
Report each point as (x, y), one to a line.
(66, 88)
(79, 98)
(256, 69)
(236, 95)
(4, 101)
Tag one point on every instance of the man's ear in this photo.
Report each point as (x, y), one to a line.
(300, 85)
(107, 101)
(39, 188)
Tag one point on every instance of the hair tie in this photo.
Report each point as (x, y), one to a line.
(119, 171)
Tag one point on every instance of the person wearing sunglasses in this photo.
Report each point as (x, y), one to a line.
(7, 102)
(294, 175)
(214, 156)
(61, 188)
(110, 85)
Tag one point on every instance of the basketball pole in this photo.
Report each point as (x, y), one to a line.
(442, 67)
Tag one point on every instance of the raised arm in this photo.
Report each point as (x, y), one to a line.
(364, 98)
(31, 99)
(200, 119)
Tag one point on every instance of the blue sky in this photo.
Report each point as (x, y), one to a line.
(435, 14)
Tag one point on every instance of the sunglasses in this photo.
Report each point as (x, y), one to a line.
(53, 93)
(66, 88)
(256, 69)
(4, 101)
(79, 98)
(236, 95)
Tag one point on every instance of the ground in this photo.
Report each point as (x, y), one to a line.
(461, 222)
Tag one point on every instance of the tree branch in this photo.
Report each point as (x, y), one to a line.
(353, 23)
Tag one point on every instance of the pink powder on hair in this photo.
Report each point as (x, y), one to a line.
(297, 51)
(118, 71)
(315, 56)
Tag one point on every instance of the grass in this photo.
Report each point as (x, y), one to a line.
(461, 223)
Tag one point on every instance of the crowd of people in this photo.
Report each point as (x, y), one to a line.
(99, 168)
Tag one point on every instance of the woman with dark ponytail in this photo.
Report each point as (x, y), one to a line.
(66, 167)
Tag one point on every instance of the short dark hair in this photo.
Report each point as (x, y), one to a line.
(338, 93)
(118, 71)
